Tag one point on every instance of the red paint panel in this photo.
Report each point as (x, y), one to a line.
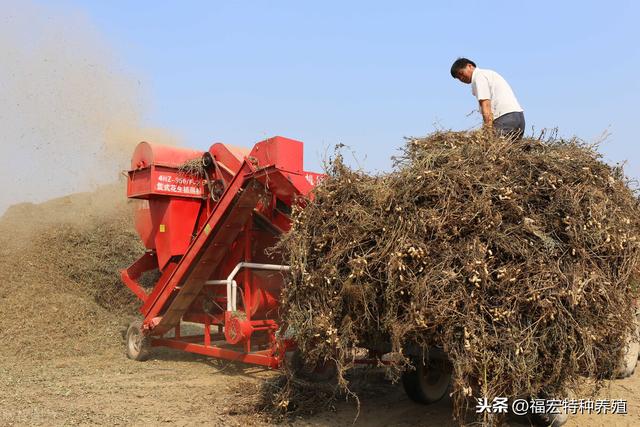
(172, 223)
(283, 153)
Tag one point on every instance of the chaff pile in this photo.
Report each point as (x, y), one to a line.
(519, 259)
(93, 254)
(59, 274)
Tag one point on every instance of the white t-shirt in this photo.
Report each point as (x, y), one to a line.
(487, 84)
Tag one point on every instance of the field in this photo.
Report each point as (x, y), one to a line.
(61, 335)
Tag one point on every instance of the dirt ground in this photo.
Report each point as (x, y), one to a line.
(62, 356)
(183, 389)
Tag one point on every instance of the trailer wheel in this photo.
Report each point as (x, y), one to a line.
(428, 382)
(631, 354)
(137, 344)
(549, 420)
(323, 372)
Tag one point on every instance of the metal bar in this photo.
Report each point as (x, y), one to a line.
(234, 295)
(232, 286)
(207, 332)
(263, 358)
(222, 282)
(265, 322)
(199, 339)
(247, 297)
(256, 266)
(133, 285)
(130, 275)
(247, 279)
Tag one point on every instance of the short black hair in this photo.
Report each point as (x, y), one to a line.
(459, 64)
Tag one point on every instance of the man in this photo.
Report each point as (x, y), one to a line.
(498, 105)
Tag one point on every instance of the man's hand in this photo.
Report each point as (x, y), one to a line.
(487, 115)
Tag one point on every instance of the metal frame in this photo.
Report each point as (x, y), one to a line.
(232, 285)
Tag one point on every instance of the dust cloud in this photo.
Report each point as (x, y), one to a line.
(69, 113)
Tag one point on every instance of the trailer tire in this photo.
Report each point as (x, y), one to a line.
(631, 353)
(138, 346)
(428, 382)
(549, 420)
(324, 372)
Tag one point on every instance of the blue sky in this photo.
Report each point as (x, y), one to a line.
(367, 73)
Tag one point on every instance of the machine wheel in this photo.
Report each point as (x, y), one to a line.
(549, 420)
(428, 382)
(632, 352)
(138, 346)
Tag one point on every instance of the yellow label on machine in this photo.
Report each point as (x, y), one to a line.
(207, 229)
(163, 228)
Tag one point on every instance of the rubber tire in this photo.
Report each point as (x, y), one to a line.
(632, 352)
(137, 344)
(549, 420)
(319, 374)
(427, 383)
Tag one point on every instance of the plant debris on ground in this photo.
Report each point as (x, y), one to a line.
(61, 292)
(518, 258)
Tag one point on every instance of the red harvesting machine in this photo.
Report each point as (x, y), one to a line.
(206, 232)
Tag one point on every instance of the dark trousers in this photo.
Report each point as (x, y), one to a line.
(510, 124)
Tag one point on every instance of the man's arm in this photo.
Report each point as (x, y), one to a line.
(487, 115)
(483, 93)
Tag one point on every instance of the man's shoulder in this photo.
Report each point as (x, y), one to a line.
(487, 72)
(482, 72)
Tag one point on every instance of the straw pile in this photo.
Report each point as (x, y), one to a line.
(519, 259)
(60, 290)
